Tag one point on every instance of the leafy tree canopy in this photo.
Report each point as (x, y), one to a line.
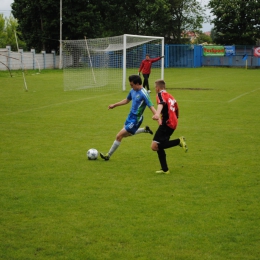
(204, 38)
(8, 27)
(236, 21)
(39, 20)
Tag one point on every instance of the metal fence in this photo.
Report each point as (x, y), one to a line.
(237, 60)
(180, 56)
(191, 56)
(183, 56)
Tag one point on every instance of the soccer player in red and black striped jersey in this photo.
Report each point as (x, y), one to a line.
(145, 68)
(168, 112)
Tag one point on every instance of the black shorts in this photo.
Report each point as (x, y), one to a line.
(163, 134)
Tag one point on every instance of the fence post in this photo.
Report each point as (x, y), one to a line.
(198, 53)
(44, 59)
(166, 55)
(195, 55)
(193, 61)
(54, 58)
(33, 60)
(9, 55)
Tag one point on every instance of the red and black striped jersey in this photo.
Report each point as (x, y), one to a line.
(170, 111)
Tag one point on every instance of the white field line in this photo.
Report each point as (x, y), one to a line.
(57, 104)
(83, 99)
(246, 93)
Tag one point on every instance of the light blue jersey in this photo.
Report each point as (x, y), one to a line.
(140, 99)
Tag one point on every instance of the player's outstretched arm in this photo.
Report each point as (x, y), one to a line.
(120, 103)
(153, 109)
(157, 114)
(154, 113)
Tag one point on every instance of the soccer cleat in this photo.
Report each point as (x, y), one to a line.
(183, 144)
(162, 171)
(148, 130)
(104, 156)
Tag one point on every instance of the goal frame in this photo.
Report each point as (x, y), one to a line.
(104, 62)
(124, 54)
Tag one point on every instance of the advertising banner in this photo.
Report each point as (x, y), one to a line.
(213, 51)
(230, 50)
(257, 52)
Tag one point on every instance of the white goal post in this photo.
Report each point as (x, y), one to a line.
(106, 63)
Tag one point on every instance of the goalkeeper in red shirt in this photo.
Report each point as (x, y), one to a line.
(168, 112)
(145, 68)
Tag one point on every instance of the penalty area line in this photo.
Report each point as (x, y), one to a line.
(246, 93)
(57, 104)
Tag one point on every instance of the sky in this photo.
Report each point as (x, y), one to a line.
(206, 27)
(5, 8)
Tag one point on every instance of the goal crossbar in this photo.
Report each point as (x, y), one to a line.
(104, 62)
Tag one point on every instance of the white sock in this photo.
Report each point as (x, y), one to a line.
(139, 131)
(114, 147)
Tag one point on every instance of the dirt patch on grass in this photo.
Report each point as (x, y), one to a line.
(192, 88)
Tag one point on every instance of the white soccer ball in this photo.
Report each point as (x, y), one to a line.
(92, 154)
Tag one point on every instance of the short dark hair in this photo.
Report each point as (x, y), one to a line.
(160, 83)
(135, 79)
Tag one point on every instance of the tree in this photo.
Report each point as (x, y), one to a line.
(186, 15)
(8, 27)
(168, 18)
(236, 21)
(2, 31)
(204, 38)
(39, 20)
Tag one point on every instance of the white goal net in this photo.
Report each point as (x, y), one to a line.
(107, 62)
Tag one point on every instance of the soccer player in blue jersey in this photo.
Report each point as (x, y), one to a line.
(140, 99)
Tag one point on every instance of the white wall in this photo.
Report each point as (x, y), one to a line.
(27, 60)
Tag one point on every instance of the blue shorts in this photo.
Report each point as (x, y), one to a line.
(131, 124)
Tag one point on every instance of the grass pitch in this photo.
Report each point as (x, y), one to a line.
(56, 204)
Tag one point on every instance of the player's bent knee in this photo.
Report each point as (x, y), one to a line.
(154, 146)
(121, 135)
(119, 138)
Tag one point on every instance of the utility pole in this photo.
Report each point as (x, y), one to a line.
(60, 65)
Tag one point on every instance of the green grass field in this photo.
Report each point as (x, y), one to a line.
(55, 204)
